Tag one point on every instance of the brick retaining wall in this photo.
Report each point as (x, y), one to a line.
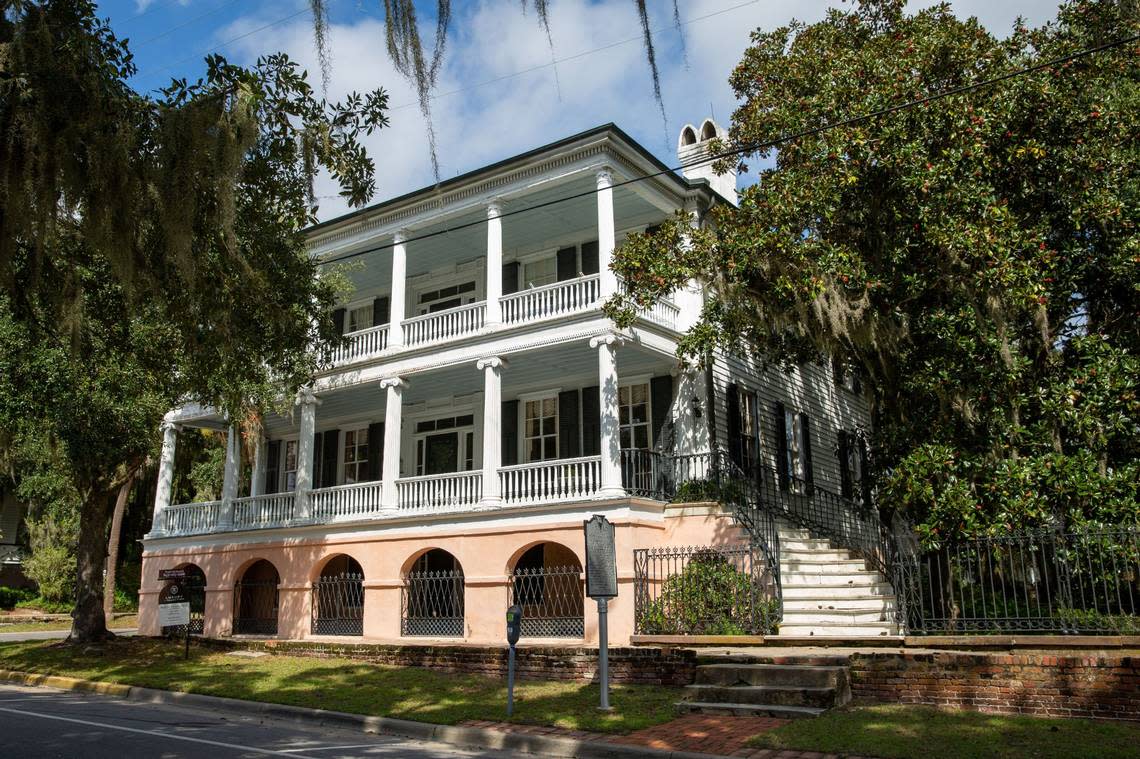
(1063, 684)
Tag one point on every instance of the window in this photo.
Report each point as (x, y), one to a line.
(540, 429)
(633, 416)
(446, 297)
(359, 318)
(469, 452)
(749, 432)
(290, 466)
(356, 456)
(797, 448)
(541, 272)
(445, 445)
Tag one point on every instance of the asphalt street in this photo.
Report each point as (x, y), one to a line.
(44, 722)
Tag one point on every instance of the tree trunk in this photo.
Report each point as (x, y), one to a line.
(113, 546)
(89, 625)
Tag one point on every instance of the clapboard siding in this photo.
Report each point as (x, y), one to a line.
(811, 389)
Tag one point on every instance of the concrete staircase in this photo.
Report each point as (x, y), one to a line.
(828, 592)
(747, 687)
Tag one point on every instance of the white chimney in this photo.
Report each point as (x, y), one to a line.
(694, 153)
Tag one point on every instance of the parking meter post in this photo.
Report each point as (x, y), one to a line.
(514, 631)
(511, 681)
(604, 653)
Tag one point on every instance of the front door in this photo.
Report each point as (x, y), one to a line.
(441, 453)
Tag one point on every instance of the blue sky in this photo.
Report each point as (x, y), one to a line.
(498, 93)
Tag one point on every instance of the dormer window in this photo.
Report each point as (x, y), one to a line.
(688, 136)
(708, 131)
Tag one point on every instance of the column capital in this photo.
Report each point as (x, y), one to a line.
(401, 236)
(306, 397)
(491, 362)
(167, 426)
(604, 176)
(396, 382)
(494, 208)
(610, 338)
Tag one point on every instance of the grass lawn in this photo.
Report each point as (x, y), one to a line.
(920, 732)
(120, 622)
(407, 692)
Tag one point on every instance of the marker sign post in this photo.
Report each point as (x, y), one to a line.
(601, 585)
(174, 602)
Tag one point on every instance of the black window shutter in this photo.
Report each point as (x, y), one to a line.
(511, 278)
(568, 447)
(590, 257)
(338, 320)
(567, 263)
(805, 430)
(856, 383)
(844, 464)
(782, 463)
(381, 310)
(510, 432)
(272, 465)
(756, 462)
(837, 370)
(375, 450)
(318, 459)
(591, 421)
(733, 407)
(660, 399)
(328, 458)
(864, 473)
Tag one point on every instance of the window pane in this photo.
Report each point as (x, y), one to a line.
(535, 449)
(640, 393)
(641, 437)
(625, 437)
(640, 413)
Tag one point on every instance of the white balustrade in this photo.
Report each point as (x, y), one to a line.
(444, 325)
(190, 518)
(440, 492)
(361, 345)
(271, 510)
(551, 481)
(360, 499)
(662, 312)
(550, 300)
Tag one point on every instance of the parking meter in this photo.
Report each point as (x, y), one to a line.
(514, 630)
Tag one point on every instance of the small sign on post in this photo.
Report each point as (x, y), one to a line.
(601, 585)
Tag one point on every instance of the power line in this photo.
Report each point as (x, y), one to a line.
(184, 24)
(752, 147)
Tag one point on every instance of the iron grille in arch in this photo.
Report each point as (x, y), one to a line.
(338, 605)
(552, 600)
(255, 607)
(432, 604)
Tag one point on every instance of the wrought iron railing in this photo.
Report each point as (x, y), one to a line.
(1043, 581)
(431, 604)
(552, 601)
(338, 605)
(255, 607)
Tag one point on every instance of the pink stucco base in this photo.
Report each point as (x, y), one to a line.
(485, 548)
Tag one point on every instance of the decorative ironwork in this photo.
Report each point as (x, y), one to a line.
(1044, 581)
(255, 607)
(552, 600)
(704, 590)
(338, 605)
(431, 604)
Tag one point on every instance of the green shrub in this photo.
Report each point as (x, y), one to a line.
(710, 596)
(39, 603)
(9, 597)
(51, 565)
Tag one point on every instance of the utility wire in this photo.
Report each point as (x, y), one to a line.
(752, 147)
(184, 24)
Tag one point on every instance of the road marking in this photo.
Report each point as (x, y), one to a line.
(155, 733)
(292, 751)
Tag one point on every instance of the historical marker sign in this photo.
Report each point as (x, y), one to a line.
(174, 614)
(601, 558)
(172, 574)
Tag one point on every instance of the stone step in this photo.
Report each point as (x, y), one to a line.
(838, 576)
(862, 588)
(820, 564)
(818, 555)
(863, 629)
(839, 601)
(729, 674)
(804, 544)
(750, 710)
(763, 695)
(833, 616)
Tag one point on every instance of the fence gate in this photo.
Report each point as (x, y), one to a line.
(338, 605)
(255, 607)
(552, 600)
(431, 603)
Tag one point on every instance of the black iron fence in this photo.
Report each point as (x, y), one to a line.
(706, 590)
(1046, 581)
(431, 604)
(255, 607)
(338, 605)
(552, 601)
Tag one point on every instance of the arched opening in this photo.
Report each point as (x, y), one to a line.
(194, 588)
(688, 136)
(546, 582)
(432, 599)
(256, 600)
(708, 130)
(338, 598)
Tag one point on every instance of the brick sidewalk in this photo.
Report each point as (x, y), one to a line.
(703, 733)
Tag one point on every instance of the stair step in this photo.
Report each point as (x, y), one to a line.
(833, 616)
(751, 710)
(839, 602)
(862, 589)
(862, 629)
(816, 554)
(804, 544)
(834, 578)
(813, 564)
(764, 695)
(729, 674)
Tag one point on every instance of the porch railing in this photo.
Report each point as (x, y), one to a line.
(191, 518)
(431, 604)
(338, 605)
(360, 499)
(273, 510)
(444, 325)
(362, 344)
(549, 481)
(663, 312)
(439, 491)
(552, 601)
(550, 300)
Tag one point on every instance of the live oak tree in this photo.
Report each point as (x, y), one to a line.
(976, 258)
(151, 252)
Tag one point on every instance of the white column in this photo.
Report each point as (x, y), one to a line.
(494, 264)
(230, 473)
(399, 275)
(393, 416)
(257, 478)
(162, 493)
(308, 403)
(607, 279)
(608, 405)
(492, 428)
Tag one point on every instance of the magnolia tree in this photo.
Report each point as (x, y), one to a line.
(977, 257)
(151, 251)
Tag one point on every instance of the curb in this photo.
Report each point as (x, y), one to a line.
(467, 737)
